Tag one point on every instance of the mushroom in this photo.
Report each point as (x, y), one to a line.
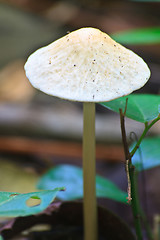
(87, 66)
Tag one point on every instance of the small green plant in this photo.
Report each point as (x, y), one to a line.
(143, 108)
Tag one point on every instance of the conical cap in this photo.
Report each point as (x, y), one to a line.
(87, 66)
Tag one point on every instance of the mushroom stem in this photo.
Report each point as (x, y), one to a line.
(89, 172)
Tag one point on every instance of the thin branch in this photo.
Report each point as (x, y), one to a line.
(132, 182)
(138, 214)
(124, 138)
(147, 127)
(126, 150)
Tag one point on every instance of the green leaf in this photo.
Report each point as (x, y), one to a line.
(72, 178)
(1, 238)
(148, 154)
(14, 204)
(138, 36)
(140, 107)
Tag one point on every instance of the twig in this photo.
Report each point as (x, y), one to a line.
(129, 198)
(132, 183)
(126, 150)
(147, 127)
(73, 150)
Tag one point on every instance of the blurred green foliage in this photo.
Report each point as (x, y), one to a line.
(138, 36)
(71, 177)
(140, 107)
(148, 154)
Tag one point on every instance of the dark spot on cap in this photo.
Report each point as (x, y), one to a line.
(74, 65)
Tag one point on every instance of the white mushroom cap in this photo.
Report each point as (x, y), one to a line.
(87, 66)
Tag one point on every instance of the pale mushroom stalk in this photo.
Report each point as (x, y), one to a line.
(89, 172)
(87, 66)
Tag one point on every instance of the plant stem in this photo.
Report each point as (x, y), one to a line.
(135, 204)
(136, 207)
(137, 211)
(89, 172)
(132, 181)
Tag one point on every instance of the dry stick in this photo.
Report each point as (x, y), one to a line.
(22, 145)
(89, 172)
(132, 184)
